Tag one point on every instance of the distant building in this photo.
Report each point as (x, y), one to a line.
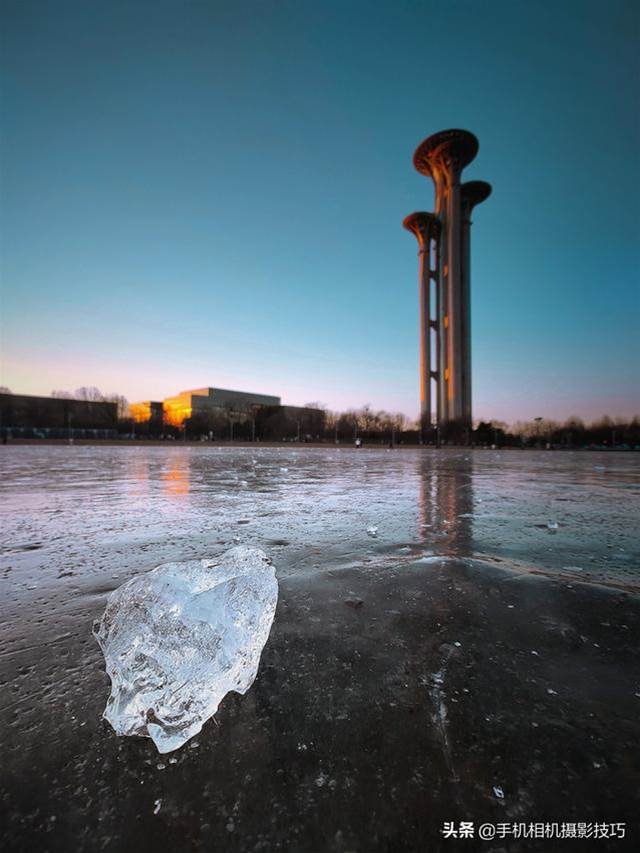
(203, 405)
(222, 413)
(299, 423)
(19, 412)
(149, 412)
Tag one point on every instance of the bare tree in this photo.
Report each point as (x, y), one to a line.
(121, 402)
(62, 395)
(89, 393)
(5, 390)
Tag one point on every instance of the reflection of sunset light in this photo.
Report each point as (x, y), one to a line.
(174, 411)
(138, 473)
(177, 409)
(176, 480)
(445, 505)
(140, 412)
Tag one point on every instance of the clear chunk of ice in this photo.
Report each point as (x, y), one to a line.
(177, 639)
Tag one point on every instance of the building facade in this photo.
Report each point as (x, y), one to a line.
(25, 412)
(228, 414)
(148, 412)
(204, 404)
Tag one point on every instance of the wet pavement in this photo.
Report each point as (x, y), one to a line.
(449, 623)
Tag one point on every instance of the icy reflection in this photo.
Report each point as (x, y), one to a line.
(92, 513)
(446, 504)
(175, 478)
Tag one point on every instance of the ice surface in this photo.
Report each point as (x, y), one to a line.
(177, 639)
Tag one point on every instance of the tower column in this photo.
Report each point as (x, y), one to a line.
(472, 193)
(424, 287)
(426, 229)
(443, 157)
(454, 294)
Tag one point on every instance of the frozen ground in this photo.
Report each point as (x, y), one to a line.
(367, 725)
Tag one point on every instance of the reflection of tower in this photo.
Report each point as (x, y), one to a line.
(446, 503)
(443, 240)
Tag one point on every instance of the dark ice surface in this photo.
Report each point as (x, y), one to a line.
(434, 639)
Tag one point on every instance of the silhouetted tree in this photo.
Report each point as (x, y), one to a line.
(121, 402)
(89, 393)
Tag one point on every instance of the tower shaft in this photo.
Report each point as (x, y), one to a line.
(445, 235)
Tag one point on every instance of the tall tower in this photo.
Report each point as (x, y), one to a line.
(445, 310)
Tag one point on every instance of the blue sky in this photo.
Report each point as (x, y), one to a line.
(212, 193)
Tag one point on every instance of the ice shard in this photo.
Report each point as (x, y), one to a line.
(177, 639)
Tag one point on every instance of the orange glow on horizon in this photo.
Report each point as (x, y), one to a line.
(140, 412)
(177, 409)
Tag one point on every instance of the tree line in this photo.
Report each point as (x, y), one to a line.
(316, 423)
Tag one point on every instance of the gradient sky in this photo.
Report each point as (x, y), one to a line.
(208, 193)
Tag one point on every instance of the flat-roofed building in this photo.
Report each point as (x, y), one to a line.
(293, 423)
(201, 403)
(23, 411)
(148, 412)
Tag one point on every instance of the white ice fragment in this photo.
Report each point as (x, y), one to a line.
(499, 793)
(177, 639)
(457, 644)
(157, 806)
(372, 531)
(284, 470)
(552, 525)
